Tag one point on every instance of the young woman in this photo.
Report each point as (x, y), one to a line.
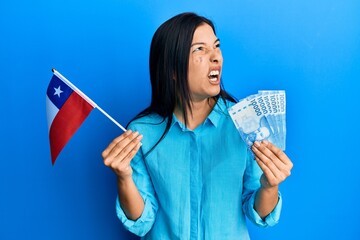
(183, 171)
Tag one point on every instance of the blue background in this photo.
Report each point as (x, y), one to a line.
(309, 48)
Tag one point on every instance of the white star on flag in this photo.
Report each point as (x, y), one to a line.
(58, 91)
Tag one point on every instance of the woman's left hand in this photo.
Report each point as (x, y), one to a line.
(274, 163)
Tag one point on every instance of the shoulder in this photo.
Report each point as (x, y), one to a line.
(147, 122)
(151, 126)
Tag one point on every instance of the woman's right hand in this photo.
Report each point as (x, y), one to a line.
(120, 152)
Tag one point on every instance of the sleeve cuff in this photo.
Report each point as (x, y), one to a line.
(271, 219)
(143, 224)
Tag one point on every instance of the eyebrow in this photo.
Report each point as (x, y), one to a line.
(202, 43)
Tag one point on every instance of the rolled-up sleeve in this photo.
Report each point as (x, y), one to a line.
(270, 220)
(143, 224)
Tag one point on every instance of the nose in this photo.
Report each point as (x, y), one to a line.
(214, 60)
(215, 56)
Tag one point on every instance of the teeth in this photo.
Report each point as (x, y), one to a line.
(214, 73)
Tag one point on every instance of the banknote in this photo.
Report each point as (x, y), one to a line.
(261, 117)
(278, 104)
(263, 101)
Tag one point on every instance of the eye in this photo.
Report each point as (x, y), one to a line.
(217, 45)
(199, 49)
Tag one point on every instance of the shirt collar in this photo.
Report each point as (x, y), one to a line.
(175, 120)
(219, 109)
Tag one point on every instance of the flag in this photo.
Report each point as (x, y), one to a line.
(66, 109)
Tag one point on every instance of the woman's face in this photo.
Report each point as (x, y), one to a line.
(205, 63)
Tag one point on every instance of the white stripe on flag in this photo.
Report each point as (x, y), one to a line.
(51, 111)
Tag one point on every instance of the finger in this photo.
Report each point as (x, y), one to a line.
(273, 178)
(266, 170)
(270, 169)
(279, 154)
(274, 153)
(132, 153)
(129, 147)
(114, 142)
(121, 148)
(122, 143)
(281, 168)
(271, 160)
(267, 156)
(121, 166)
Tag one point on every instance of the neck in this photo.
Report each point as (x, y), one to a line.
(200, 110)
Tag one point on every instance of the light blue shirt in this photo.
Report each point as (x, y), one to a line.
(196, 184)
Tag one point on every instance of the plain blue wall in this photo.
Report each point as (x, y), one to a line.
(309, 48)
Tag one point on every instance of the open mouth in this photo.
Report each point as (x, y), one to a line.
(214, 75)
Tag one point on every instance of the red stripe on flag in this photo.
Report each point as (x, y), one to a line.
(69, 118)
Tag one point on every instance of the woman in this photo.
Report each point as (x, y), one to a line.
(188, 175)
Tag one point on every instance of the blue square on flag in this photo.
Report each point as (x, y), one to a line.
(58, 92)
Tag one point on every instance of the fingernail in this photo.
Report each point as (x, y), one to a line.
(257, 144)
(266, 142)
(139, 137)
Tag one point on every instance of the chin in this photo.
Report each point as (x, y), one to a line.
(216, 92)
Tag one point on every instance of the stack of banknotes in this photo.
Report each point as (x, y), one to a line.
(261, 117)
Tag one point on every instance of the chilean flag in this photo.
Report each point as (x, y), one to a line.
(66, 108)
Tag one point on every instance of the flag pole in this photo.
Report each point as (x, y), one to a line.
(91, 102)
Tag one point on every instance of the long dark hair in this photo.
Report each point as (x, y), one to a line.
(169, 60)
